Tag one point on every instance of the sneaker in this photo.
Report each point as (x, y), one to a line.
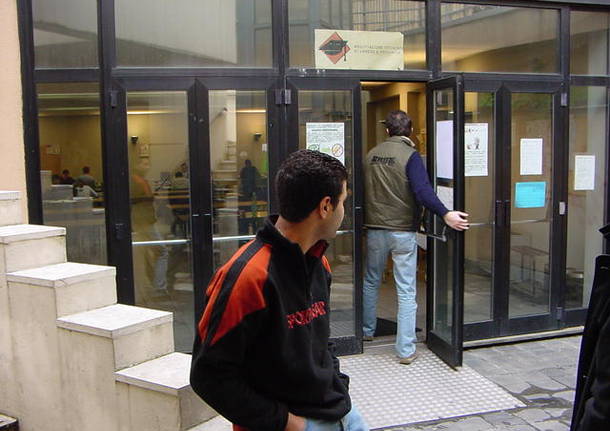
(409, 359)
(367, 338)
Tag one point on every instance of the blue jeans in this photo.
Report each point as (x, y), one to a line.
(352, 421)
(403, 247)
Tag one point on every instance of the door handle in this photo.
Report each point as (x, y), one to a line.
(499, 214)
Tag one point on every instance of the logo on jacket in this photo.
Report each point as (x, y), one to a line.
(335, 48)
(303, 317)
(389, 161)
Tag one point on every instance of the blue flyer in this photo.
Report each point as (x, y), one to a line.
(530, 194)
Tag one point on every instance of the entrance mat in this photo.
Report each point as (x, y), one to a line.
(385, 327)
(389, 394)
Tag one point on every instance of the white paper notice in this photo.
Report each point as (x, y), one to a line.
(531, 156)
(444, 149)
(445, 194)
(584, 172)
(475, 146)
(328, 138)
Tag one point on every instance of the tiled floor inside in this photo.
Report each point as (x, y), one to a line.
(390, 394)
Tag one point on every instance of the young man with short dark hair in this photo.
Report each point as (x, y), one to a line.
(261, 356)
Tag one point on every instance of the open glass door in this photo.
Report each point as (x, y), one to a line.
(445, 312)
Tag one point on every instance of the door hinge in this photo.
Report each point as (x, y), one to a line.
(283, 96)
(564, 99)
(114, 98)
(562, 208)
(559, 313)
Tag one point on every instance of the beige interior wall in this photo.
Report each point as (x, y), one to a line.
(12, 161)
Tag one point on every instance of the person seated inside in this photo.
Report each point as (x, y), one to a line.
(83, 191)
(86, 177)
(65, 177)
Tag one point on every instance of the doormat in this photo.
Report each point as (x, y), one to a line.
(389, 394)
(385, 327)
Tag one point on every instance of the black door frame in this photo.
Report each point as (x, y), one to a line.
(349, 344)
(450, 352)
(500, 324)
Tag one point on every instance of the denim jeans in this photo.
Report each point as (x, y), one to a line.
(403, 246)
(352, 421)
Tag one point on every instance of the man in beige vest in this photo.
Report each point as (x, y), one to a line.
(396, 186)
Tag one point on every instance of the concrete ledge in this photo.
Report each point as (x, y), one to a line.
(115, 320)
(25, 232)
(61, 274)
(217, 423)
(168, 374)
(9, 196)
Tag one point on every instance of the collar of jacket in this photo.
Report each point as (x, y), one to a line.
(271, 235)
(402, 140)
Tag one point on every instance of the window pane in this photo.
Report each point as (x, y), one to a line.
(589, 42)
(480, 38)
(70, 140)
(531, 209)
(334, 107)
(159, 191)
(65, 33)
(197, 33)
(479, 183)
(588, 107)
(240, 168)
(393, 19)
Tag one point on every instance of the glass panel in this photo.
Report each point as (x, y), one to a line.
(65, 33)
(70, 143)
(515, 39)
(530, 217)
(443, 267)
(589, 42)
(159, 189)
(239, 167)
(335, 109)
(586, 190)
(396, 18)
(479, 142)
(204, 33)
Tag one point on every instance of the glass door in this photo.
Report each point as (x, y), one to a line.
(444, 328)
(533, 208)
(324, 115)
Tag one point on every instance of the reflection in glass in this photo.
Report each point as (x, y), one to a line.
(589, 32)
(479, 194)
(335, 107)
(515, 39)
(159, 192)
(70, 140)
(443, 265)
(68, 38)
(239, 167)
(530, 216)
(588, 106)
(205, 33)
(406, 17)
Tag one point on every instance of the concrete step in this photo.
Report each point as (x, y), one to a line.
(77, 287)
(10, 208)
(26, 246)
(22, 247)
(95, 344)
(8, 423)
(217, 423)
(156, 396)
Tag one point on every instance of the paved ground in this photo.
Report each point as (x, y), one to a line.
(541, 374)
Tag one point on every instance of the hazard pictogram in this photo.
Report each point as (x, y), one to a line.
(335, 48)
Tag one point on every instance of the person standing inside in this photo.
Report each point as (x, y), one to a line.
(261, 356)
(86, 177)
(65, 177)
(396, 186)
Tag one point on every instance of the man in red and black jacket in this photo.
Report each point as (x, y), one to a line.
(261, 356)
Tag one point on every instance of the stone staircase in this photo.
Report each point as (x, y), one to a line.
(71, 358)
